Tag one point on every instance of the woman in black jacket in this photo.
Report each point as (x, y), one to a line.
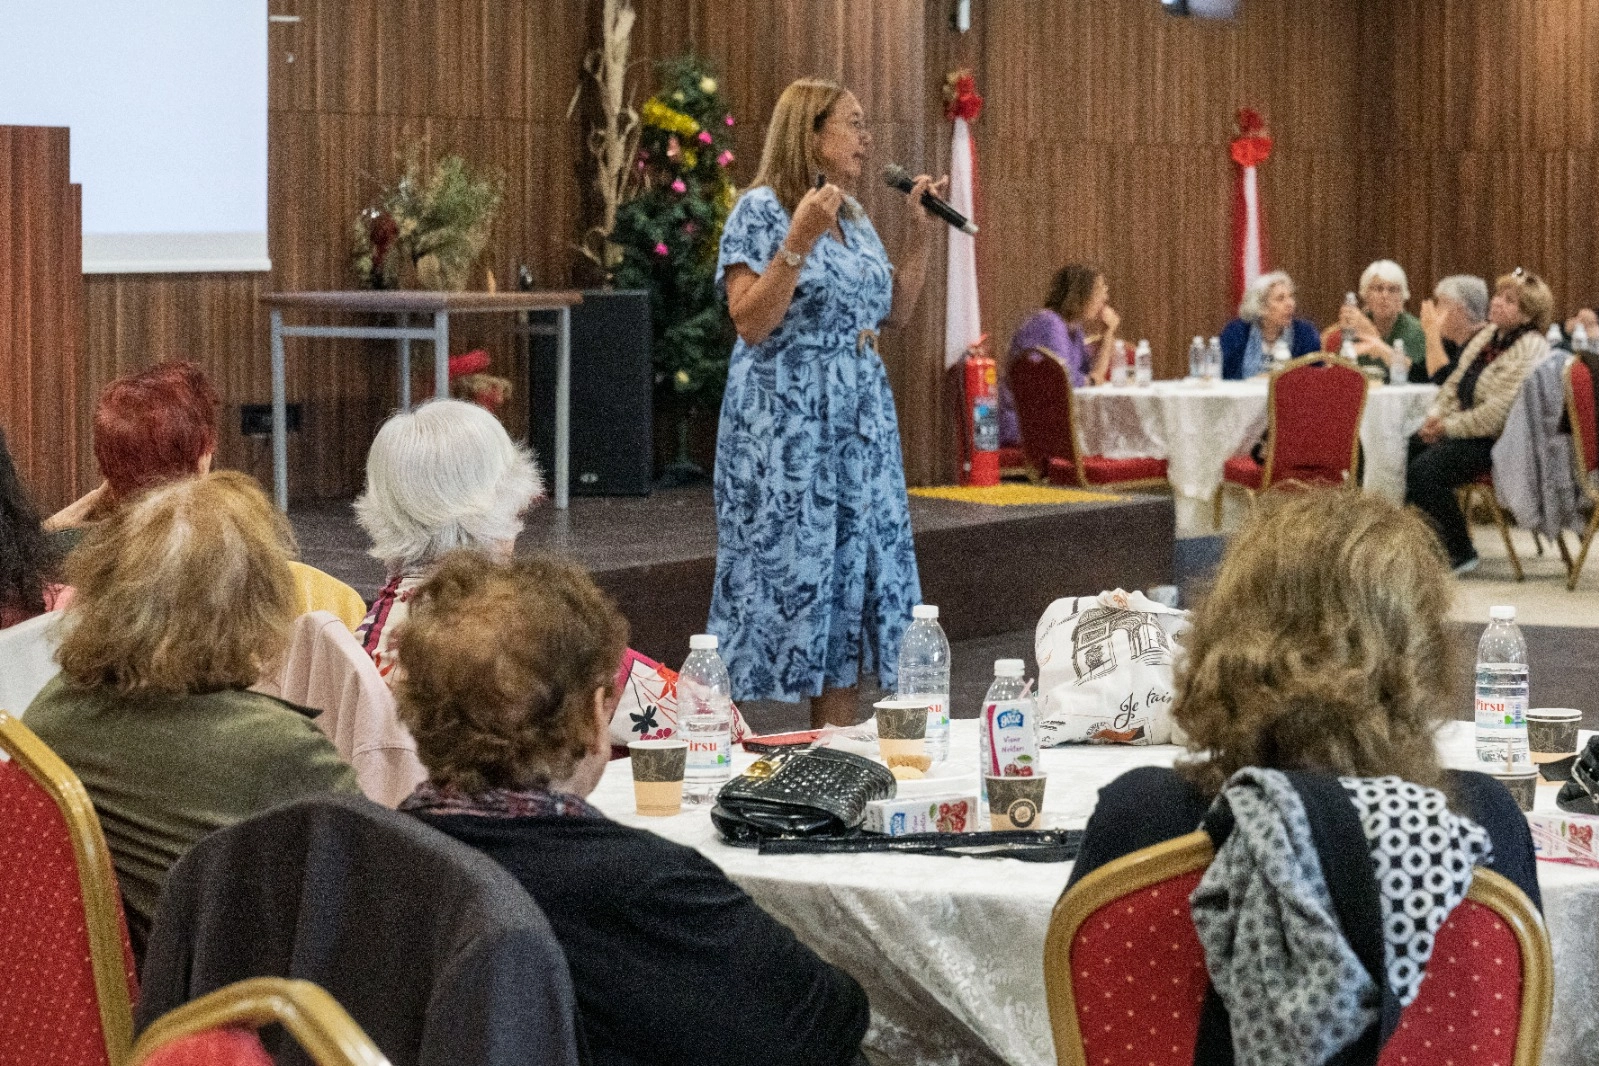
(509, 685)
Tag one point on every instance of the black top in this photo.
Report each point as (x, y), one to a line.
(1418, 371)
(672, 962)
(1153, 804)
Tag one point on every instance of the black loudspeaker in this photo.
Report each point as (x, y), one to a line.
(612, 433)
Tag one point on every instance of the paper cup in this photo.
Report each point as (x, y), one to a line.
(1552, 732)
(658, 775)
(1523, 785)
(902, 732)
(1016, 802)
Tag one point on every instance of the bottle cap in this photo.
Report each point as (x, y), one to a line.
(1009, 668)
(924, 610)
(1502, 614)
(702, 642)
(1215, 340)
(1399, 344)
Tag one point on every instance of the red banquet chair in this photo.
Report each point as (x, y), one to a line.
(1125, 975)
(1313, 409)
(1585, 456)
(67, 978)
(1046, 413)
(218, 1029)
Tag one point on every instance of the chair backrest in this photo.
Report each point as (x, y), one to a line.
(1584, 425)
(28, 650)
(318, 591)
(1123, 967)
(1042, 387)
(66, 969)
(1314, 406)
(1121, 944)
(325, 669)
(217, 1029)
(436, 951)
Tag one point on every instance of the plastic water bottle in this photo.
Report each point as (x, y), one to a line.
(1213, 360)
(1196, 358)
(924, 674)
(1347, 349)
(1556, 338)
(1143, 364)
(1010, 685)
(705, 721)
(1280, 352)
(1501, 704)
(1399, 369)
(1579, 338)
(1118, 364)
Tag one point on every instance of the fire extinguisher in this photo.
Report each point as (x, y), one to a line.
(981, 432)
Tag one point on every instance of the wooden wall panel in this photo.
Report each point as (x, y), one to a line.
(1494, 153)
(41, 307)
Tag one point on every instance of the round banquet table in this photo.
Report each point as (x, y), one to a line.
(1197, 427)
(950, 950)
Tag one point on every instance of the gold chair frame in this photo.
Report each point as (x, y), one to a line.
(1266, 482)
(1574, 568)
(1041, 477)
(1467, 495)
(97, 882)
(313, 1017)
(1185, 854)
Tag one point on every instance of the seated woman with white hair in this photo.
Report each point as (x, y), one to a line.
(1456, 313)
(1379, 320)
(443, 476)
(1265, 321)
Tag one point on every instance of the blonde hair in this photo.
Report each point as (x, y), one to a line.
(502, 660)
(1533, 296)
(1321, 646)
(788, 158)
(185, 589)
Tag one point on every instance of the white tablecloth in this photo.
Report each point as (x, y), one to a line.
(950, 951)
(1196, 428)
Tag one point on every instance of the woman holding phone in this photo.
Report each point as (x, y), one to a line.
(815, 566)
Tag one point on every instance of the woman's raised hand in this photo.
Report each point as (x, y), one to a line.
(816, 214)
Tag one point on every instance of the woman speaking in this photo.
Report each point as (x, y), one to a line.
(815, 567)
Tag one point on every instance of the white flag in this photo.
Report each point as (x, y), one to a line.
(963, 323)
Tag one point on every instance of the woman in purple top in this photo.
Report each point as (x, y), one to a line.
(1079, 300)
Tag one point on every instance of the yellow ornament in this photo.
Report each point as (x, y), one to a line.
(678, 96)
(682, 377)
(707, 86)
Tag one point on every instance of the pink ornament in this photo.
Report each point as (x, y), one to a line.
(725, 159)
(673, 149)
(689, 229)
(662, 250)
(705, 136)
(678, 187)
(728, 120)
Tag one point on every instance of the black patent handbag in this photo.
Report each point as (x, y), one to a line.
(799, 793)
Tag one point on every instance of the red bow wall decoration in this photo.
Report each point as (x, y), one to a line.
(961, 99)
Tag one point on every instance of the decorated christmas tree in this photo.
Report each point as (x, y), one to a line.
(669, 229)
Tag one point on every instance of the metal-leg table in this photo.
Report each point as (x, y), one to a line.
(439, 305)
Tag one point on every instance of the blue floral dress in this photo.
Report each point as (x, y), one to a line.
(815, 566)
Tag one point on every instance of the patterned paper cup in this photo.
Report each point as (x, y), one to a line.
(658, 775)
(1523, 784)
(1016, 802)
(1552, 732)
(902, 732)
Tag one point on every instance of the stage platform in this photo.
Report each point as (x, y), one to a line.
(991, 570)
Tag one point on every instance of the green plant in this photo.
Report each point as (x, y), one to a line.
(437, 218)
(669, 230)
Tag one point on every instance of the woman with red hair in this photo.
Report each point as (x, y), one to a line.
(150, 427)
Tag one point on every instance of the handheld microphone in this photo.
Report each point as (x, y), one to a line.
(897, 177)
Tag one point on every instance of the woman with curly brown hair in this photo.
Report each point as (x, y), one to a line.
(1322, 648)
(508, 685)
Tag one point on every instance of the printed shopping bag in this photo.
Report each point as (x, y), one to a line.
(1105, 670)
(648, 708)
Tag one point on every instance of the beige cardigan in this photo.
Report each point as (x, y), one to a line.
(1496, 388)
